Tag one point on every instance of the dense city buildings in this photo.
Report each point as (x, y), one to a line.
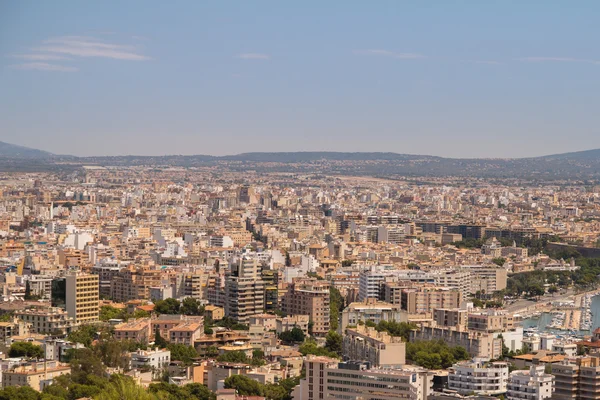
(422, 291)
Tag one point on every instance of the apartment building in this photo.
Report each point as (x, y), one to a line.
(455, 279)
(487, 279)
(47, 320)
(370, 283)
(455, 317)
(491, 321)
(308, 296)
(378, 348)
(106, 272)
(478, 376)
(164, 323)
(219, 339)
(194, 285)
(371, 310)
(327, 378)
(187, 333)
(41, 286)
(244, 290)
(424, 299)
(132, 283)
(577, 378)
(288, 323)
(82, 297)
(478, 344)
(533, 384)
(14, 327)
(213, 312)
(392, 291)
(36, 375)
(156, 360)
(137, 330)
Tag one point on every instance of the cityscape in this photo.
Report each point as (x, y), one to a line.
(215, 283)
(340, 200)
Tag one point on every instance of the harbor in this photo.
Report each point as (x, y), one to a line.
(574, 316)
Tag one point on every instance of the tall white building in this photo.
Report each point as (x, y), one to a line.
(530, 385)
(369, 283)
(478, 376)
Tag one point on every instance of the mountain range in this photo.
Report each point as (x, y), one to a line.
(583, 165)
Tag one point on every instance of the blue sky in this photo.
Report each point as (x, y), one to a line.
(448, 78)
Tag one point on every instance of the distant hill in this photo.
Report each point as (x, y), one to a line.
(307, 156)
(581, 165)
(576, 155)
(14, 151)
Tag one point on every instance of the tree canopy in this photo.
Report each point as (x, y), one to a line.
(435, 354)
(25, 349)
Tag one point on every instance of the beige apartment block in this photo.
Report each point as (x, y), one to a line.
(36, 375)
(577, 378)
(327, 378)
(379, 348)
(425, 299)
(47, 320)
(308, 296)
(82, 295)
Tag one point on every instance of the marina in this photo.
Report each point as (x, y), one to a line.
(572, 317)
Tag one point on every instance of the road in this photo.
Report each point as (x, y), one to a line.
(522, 304)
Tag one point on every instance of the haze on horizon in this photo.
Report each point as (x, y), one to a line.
(462, 79)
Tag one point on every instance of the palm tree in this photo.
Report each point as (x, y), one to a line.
(123, 388)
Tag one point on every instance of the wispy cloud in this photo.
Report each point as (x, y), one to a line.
(42, 66)
(40, 57)
(253, 56)
(84, 46)
(488, 62)
(559, 59)
(388, 53)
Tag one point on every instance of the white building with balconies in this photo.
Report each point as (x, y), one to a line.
(478, 376)
(534, 384)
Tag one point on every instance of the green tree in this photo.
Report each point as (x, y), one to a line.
(168, 306)
(500, 261)
(159, 341)
(140, 314)
(191, 306)
(123, 388)
(181, 352)
(234, 357)
(245, 386)
(434, 354)
(212, 351)
(336, 305)
(25, 349)
(333, 342)
(85, 334)
(294, 336)
(310, 346)
(199, 391)
(85, 362)
(113, 353)
(109, 312)
(274, 392)
(19, 393)
(401, 329)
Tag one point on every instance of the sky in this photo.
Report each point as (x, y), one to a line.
(447, 78)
